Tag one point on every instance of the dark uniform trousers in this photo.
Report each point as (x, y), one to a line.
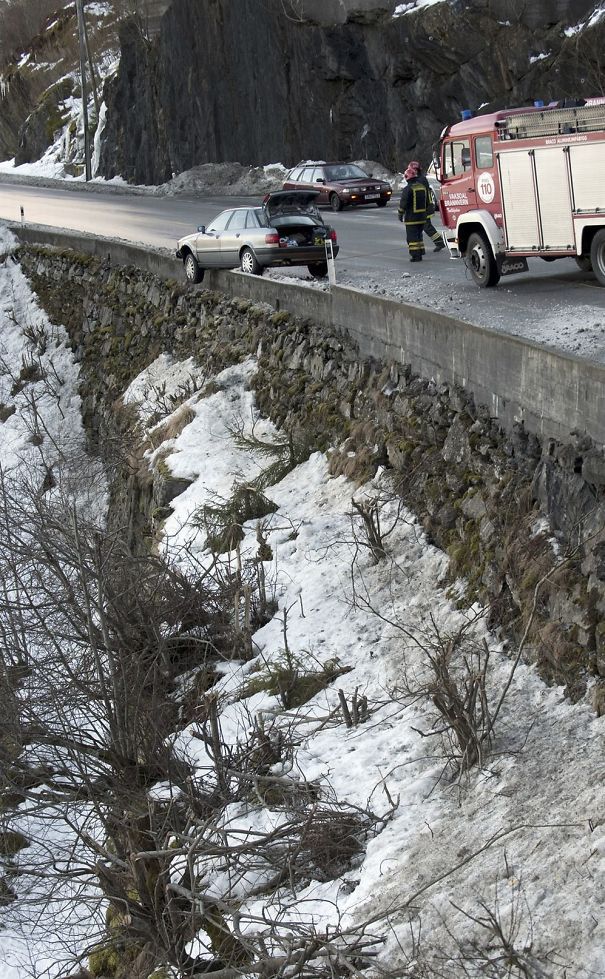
(430, 230)
(413, 233)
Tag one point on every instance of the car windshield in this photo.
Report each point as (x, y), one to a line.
(345, 171)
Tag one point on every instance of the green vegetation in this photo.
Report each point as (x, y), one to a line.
(290, 679)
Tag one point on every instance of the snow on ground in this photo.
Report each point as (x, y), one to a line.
(523, 837)
(41, 428)
(42, 442)
(207, 179)
(413, 5)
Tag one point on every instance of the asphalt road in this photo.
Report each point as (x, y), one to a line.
(555, 303)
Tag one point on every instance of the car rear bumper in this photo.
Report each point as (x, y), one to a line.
(276, 257)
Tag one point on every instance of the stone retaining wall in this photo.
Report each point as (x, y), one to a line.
(479, 491)
(551, 392)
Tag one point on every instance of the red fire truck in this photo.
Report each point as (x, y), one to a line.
(522, 183)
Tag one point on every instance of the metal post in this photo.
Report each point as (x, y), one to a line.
(81, 35)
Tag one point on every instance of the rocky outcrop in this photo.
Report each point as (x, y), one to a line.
(261, 83)
(27, 88)
(39, 129)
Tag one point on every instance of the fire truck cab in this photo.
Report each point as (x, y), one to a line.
(524, 183)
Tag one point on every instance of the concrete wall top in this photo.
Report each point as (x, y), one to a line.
(551, 392)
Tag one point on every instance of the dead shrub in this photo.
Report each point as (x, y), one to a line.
(172, 427)
(224, 521)
(333, 838)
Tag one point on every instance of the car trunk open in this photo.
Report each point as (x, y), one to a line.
(289, 201)
(299, 230)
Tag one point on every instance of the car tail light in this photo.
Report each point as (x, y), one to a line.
(333, 235)
(272, 239)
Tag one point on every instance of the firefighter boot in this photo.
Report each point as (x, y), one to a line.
(439, 245)
(416, 258)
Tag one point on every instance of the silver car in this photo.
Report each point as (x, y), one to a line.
(285, 230)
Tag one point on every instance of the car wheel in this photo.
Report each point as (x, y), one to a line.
(193, 273)
(318, 270)
(335, 202)
(382, 203)
(248, 263)
(481, 262)
(584, 263)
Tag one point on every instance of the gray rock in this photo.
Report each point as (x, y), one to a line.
(473, 507)
(593, 468)
(348, 90)
(456, 447)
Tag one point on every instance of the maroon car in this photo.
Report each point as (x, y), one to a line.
(339, 184)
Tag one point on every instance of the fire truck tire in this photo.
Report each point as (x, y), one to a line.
(481, 262)
(583, 262)
(597, 256)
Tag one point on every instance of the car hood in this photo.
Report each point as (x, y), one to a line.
(358, 181)
(282, 200)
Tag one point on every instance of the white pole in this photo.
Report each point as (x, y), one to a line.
(330, 262)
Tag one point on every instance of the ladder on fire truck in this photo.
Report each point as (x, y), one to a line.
(553, 122)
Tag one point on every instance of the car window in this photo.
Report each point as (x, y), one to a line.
(260, 216)
(295, 173)
(251, 219)
(307, 175)
(456, 157)
(237, 220)
(220, 222)
(317, 174)
(484, 153)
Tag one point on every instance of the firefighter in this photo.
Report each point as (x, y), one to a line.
(413, 210)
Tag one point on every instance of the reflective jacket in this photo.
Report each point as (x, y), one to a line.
(415, 203)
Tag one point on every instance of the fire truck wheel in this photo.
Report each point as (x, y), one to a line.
(597, 256)
(481, 262)
(583, 262)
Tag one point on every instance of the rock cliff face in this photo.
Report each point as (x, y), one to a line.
(272, 81)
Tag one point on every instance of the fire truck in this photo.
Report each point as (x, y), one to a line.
(525, 183)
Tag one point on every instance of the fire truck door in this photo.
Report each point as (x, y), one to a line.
(587, 164)
(554, 198)
(458, 192)
(519, 200)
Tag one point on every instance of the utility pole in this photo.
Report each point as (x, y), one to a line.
(82, 37)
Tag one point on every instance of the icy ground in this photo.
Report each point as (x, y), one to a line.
(523, 838)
